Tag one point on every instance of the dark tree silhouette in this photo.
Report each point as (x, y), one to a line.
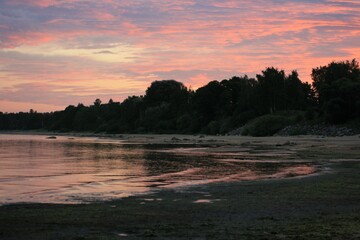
(338, 90)
(97, 102)
(218, 107)
(271, 89)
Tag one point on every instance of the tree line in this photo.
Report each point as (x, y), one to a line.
(216, 108)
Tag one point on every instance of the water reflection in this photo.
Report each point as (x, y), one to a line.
(36, 169)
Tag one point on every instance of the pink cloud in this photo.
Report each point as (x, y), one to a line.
(209, 39)
(15, 40)
(39, 3)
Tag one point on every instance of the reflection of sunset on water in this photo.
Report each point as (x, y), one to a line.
(66, 170)
(36, 169)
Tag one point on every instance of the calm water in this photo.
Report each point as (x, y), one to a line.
(73, 170)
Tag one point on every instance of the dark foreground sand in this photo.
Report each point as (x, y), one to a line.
(322, 206)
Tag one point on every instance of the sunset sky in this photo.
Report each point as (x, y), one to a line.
(54, 53)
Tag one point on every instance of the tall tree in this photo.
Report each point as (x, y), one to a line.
(338, 89)
(271, 89)
(167, 91)
(298, 95)
(205, 102)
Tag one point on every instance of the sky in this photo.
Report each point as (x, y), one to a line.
(55, 53)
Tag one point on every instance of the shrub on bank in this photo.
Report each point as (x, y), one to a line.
(266, 125)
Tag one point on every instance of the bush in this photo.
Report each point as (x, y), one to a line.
(212, 128)
(266, 125)
(296, 131)
(183, 123)
(310, 114)
(226, 126)
(336, 111)
(243, 117)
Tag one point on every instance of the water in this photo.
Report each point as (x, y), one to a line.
(74, 170)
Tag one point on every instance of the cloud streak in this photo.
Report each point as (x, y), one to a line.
(125, 45)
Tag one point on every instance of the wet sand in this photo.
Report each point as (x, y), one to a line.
(320, 206)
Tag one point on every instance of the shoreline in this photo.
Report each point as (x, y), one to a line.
(179, 138)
